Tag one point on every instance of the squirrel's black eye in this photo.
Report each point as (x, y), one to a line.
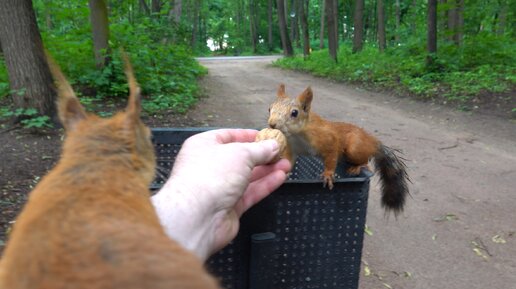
(294, 113)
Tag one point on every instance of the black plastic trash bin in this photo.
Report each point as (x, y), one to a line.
(301, 236)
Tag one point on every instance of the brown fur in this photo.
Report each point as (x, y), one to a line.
(89, 223)
(309, 134)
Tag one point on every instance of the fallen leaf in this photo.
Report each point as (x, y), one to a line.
(367, 271)
(447, 217)
(387, 285)
(479, 253)
(368, 230)
(498, 239)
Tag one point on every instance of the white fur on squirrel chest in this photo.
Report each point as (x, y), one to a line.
(299, 145)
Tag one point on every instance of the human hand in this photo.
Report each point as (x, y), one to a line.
(217, 176)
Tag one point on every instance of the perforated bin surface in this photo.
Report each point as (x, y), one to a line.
(313, 235)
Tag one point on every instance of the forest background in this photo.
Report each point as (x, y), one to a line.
(458, 52)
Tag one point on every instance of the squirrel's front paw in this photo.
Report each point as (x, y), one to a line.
(328, 180)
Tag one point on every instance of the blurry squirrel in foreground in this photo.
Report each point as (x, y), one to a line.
(89, 223)
(309, 134)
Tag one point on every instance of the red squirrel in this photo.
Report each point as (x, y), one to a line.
(89, 223)
(309, 134)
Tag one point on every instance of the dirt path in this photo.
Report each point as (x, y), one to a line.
(463, 170)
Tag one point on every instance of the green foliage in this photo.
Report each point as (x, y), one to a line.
(167, 72)
(37, 122)
(30, 117)
(484, 63)
(161, 50)
(4, 79)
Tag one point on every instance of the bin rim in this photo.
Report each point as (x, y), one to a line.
(365, 174)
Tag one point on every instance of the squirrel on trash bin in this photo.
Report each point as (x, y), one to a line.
(309, 134)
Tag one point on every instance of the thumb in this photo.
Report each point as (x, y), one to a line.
(262, 152)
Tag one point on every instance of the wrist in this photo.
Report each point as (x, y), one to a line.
(183, 219)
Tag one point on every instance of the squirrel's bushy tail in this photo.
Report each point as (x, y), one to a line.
(393, 178)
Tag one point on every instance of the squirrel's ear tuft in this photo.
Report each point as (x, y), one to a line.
(305, 99)
(69, 108)
(134, 103)
(281, 91)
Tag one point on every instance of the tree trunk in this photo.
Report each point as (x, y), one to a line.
(358, 37)
(100, 31)
(370, 26)
(299, 26)
(304, 27)
(502, 19)
(459, 22)
(443, 25)
(252, 25)
(398, 21)
(336, 23)
(203, 28)
(269, 25)
(294, 31)
(285, 40)
(381, 25)
(414, 19)
(195, 28)
(29, 75)
(452, 17)
(175, 13)
(321, 34)
(456, 21)
(432, 31)
(239, 24)
(332, 42)
(156, 7)
(144, 7)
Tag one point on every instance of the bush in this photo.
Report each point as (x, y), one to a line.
(167, 73)
(4, 79)
(484, 63)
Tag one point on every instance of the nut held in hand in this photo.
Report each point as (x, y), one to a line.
(269, 133)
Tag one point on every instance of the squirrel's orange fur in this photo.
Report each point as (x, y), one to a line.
(309, 134)
(89, 223)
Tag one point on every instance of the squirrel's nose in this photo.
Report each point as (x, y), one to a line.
(272, 125)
